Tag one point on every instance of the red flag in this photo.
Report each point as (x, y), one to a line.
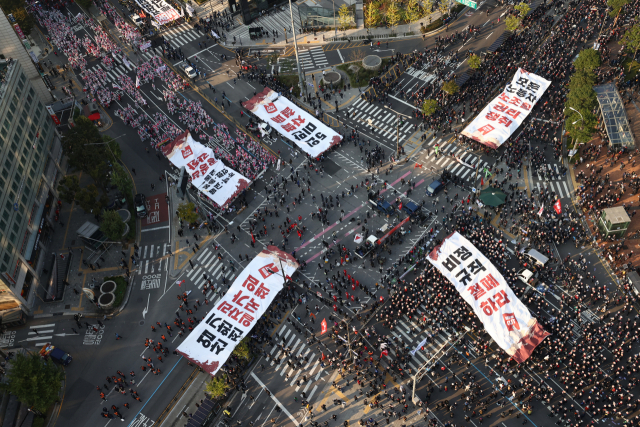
(558, 207)
(481, 182)
(322, 355)
(323, 326)
(253, 238)
(400, 206)
(180, 283)
(385, 352)
(418, 165)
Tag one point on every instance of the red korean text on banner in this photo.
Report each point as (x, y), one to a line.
(323, 326)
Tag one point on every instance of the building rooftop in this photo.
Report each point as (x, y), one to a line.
(614, 115)
(617, 215)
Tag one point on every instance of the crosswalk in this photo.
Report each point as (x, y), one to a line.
(372, 115)
(313, 58)
(559, 187)
(181, 35)
(210, 265)
(274, 21)
(311, 367)
(455, 160)
(40, 335)
(152, 259)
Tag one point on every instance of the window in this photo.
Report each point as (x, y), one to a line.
(3, 225)
(20, 170)
(15, 102)
(5, 214)
(19, 217)
(36, 156)
(8, 205)
(25, 196)
(16, 227)
(2, 183)
(21, 122)
(5, 173)
(23, 160)
(6, 258)
(10, 115)
(14, 238)
(29, 182)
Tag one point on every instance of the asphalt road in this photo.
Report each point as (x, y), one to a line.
(97, 355)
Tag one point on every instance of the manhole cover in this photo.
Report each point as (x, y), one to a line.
(141, 322)
(139, 299)
(68, 306)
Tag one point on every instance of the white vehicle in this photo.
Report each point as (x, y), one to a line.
(191, 73)
(528, 277)
(136, 20)
(265, 129)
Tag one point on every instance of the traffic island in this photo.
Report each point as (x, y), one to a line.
(332, 78)
(372, 63)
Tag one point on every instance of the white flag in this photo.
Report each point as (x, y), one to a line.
(137, 82)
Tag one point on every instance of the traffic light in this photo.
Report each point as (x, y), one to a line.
(183, 180)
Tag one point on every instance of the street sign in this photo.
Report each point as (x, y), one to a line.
(469, 3)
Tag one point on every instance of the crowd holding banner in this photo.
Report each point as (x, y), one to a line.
(232, 318)
(482, 286)
(293, 122)
(162, 12)
(208, 174)
(502, 116)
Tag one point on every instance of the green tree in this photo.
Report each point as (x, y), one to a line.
(523, 9)
(68, 187)
(512, 23)
(581, 130)
(429, 107)
(90, 199)
(79, 145)
(413, 12)
(242, 350)
(33, 381)
(474, 62)
(187, 212)
(393, 15)
(121, 179)
(443, 7)
(217, 386)
(111, 149)
(372, 14)
(588, 60)
(24, 19)
(112, 225)
(631, 39)
(616, 6)
(450, 87)
(344, 17)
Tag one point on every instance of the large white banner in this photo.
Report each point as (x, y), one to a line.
(506, 319)
(211, 343)
(295, 123)
(209, 175)
(502, 116)
(159, 9)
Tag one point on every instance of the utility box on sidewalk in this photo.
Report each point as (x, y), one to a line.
(91, 235)
(614, 222)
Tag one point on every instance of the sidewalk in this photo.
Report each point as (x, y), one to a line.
(629, 253)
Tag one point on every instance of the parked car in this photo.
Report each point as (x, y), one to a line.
(141, 205)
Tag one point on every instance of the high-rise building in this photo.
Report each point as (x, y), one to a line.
(30, 151)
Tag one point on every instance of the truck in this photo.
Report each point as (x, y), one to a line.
(410, 208)
(383, 206)
(56, 354)
(529, 278)
(434, 188)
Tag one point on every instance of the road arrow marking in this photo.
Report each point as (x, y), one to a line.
(146, 309)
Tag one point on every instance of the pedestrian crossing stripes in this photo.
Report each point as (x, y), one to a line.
(455, 160)
(373, 115)
(559, 187)
(274, 21)
(310, 368)
(213, 267)
(39, 333)
(181, 35)
(421, 75)
(313, 58)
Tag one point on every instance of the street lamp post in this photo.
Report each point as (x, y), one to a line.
(422, 371)
(397, 128)
(334, 18)
(303, 86)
